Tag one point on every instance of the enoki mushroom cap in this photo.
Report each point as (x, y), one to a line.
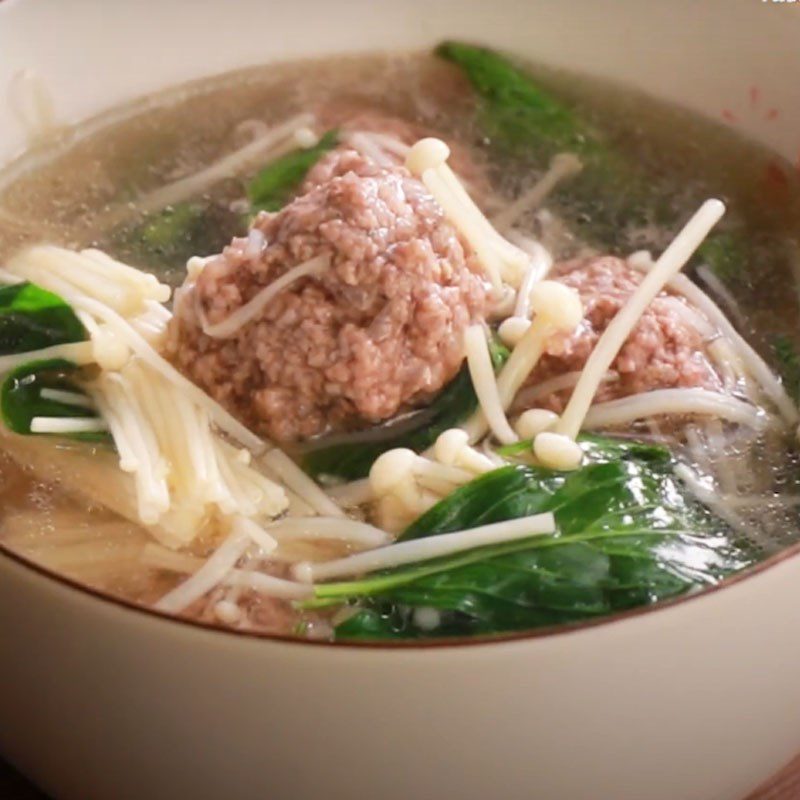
(512, 329)
(305, 137)
(533, 421)
(557, 451)
(567, 164)
(426, 154)
(450, 444)
(391, 469)
(557, 304)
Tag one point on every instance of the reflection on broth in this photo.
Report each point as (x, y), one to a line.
(385, 347)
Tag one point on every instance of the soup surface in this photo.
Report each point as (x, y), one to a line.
(301, 164)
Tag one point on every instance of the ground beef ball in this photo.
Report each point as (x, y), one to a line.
(664, 350)
(357, 117)
(379, 331)
(468, 163)
(335, 164)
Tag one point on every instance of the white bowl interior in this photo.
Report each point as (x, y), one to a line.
(706, 56)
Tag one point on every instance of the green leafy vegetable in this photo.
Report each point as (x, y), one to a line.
(352, 460)
(520, 117)
(725, 253)
(272, 188)
(21, 396)
(788, 365)
(628, 535)
(164, 230)
(167, 239)
(528, 123)
(595, 448)
(32, 318)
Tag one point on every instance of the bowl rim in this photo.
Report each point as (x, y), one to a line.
(545, 632)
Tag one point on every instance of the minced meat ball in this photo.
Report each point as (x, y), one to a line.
(665, 349)
(468, 163)
(379, 331)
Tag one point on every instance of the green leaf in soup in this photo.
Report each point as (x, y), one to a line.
(628, 535)
(520, 117)
(164, 230)
(725, 253)
(275, 184)
(21, 396)
(530, 124)
(166, 239)
(32, 318)
(788, 364)
(599, 449)
(352, 459)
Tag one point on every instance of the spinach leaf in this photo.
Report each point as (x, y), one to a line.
(628, 535)
(598, 449)
(520, 117)
(725, 253)
(21, 396)
(166, 239)
(166, 231)
(272, 188)
(788, 364)
(529, 124)
(32, 318)
(352, 459)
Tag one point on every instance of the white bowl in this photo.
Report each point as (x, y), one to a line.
(697, 700)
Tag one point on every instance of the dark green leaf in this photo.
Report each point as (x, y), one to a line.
(526, 122)
(352, 459)
(520, 117)
(788, 365)
(599, 449)
(32, 318)
(725, 253)
(21, 399)
(164, 231)
(273, 187)
(628, 534)
(166, 239)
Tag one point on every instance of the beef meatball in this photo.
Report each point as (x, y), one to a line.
(377, 331)
(666, 348)
(467, 162)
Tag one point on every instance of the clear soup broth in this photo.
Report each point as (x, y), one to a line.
(170, 177)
